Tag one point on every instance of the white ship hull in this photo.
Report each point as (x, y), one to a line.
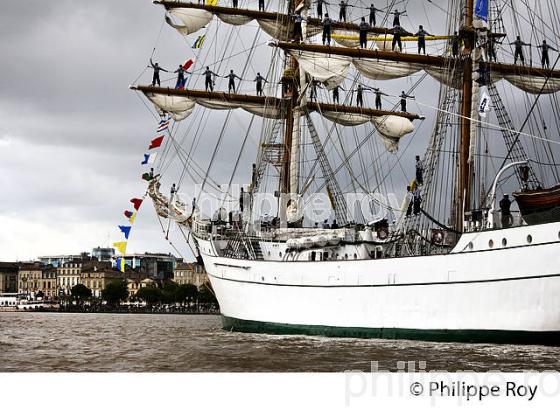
(507, 292)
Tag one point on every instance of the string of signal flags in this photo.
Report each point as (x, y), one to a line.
(149, 159)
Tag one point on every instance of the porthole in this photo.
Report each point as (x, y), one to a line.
(471, 246)
(504, 242)
(529, 239)
(490, 243)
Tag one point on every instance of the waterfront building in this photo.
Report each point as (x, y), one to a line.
(58, 261)
(68, 275)
(103, 254)
(192, 273)
(96, 275)
(137, 280)
(35, 279)
(47, 284)
(154, 265)
(8, 277)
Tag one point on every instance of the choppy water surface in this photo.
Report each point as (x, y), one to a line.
(169, 343)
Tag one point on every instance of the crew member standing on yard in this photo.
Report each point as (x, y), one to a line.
(364, 27)
(320, 8)
(419, 171)
(378, 95)
(335, 93)
(544, 58)
(359, 96)
(298, 36)
(231, 81)
(372, 16)
(397, 18)
(327, 27)
(157, 69)
(180, 77)
(259, 79)
(342, 12)
(397, 37)
(404, 96)
(422, 39)
(518, 43)
(261, 5)
(505, 205)
(209, 76)
(235, 3)
(455, 45)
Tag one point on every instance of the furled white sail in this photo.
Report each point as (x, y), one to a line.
(192, 19)
(392, 128)
(275, 29)
(451, 78)
(331, 71)
(347, 119)
(177, 106)
(234, 19)
(385, 70)
(386, 43)
(534, 85)
(344, 39)
(180, 107)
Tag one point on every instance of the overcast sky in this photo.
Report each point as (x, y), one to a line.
(72, 134)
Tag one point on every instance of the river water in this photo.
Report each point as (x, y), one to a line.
(182, 343)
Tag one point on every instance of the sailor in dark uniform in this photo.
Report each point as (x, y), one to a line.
(209, 79)
(259, 79)
(231, 82)
(518, 43)
(545, 58)
(157, 69)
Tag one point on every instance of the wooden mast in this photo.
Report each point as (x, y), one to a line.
(289, 92)
(463, 193)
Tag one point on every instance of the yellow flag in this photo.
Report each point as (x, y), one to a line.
(131, 219)
(212, 2)
(121, 247)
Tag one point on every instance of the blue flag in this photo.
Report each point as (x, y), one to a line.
(481, 9)
(125, 230)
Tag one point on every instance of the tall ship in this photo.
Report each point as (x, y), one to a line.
(340, 228)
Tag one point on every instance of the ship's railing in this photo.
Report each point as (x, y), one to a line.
(514, 220)
(477, 220)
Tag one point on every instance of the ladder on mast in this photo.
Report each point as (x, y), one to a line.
(338, 201)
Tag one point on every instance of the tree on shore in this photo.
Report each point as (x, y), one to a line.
(170, 292)
(80, 293)
(149, 294)
(187, 293)
(115, 292)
